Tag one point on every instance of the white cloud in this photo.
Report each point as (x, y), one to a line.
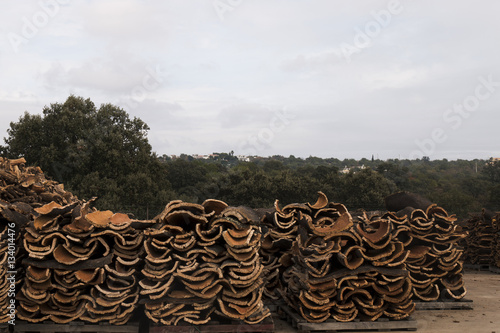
(101, 74)
(223, 78)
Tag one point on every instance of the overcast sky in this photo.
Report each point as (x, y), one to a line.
(345, 79)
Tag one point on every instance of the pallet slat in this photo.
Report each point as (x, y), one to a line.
(494, 269)
(408, 324)
(392, 325)
(267, 326)
(23, 327)
(463, 304)
(477, 267)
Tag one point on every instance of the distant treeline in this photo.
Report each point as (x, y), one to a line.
(459, 186)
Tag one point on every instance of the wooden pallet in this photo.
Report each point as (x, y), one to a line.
(494, 269)
(273, 307)
(477, 267)
(4, 328)
(463, 304)
(77, 326)
(266, 326)
(382, 324)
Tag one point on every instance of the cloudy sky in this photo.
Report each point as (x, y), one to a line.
(393, 79)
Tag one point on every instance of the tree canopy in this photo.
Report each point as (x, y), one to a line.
(461, 187)
(93, 151)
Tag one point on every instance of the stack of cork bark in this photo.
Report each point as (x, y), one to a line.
(336, 269)
(22, 189)
(434, 263)
(202, 262)
(482, 245)
(81, 265)
(435, 259)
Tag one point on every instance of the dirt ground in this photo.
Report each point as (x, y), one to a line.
(482, 287)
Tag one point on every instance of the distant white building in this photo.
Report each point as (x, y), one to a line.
(345, 170)
(200, 157)
(243, 158)
(494, 160)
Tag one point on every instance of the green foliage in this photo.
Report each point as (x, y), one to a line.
(492, 173)
(182, 173)
(93, 151)
(365, 189)
(396, 172)
(459, 186)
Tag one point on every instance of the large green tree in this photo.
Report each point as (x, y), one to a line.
(95, 152)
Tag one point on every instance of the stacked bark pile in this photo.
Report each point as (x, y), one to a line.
(21, 190)
(482, 243)
(81, 265)
(20, 184)
(496, 249)
(280, 231)
(203, 261)
(434, 262)
(194, 263)
(336, 269)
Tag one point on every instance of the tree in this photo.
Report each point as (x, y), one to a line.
(365, 189)
(93, 151)
(182, 173)
(491, 172)
(273, 166)
(395, 172)
(253, 188)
